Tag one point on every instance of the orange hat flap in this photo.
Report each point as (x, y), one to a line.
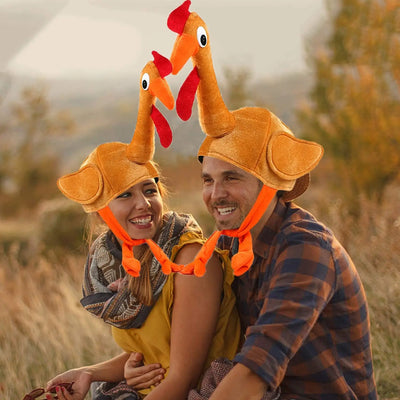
(290, 157)
(83, 186)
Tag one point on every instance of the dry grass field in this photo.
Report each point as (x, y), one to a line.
(44, 330)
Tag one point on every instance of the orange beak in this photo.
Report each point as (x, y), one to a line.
(185, 47)
(159, 88)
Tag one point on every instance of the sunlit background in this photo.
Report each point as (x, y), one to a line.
(61, 39)
(69, 72)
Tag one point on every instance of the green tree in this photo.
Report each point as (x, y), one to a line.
(354, 108)
(28, 166)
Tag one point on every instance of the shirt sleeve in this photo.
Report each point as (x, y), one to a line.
(297, 285)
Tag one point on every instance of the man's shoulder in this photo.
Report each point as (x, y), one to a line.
(300, 225)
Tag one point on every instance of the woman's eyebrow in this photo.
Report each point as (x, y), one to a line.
(149, 184)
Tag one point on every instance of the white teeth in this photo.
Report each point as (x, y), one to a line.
(226, 210)
(141, 221)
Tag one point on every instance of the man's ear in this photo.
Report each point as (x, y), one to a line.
(290, 157)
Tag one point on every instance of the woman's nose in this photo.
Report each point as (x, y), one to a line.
(142, 203)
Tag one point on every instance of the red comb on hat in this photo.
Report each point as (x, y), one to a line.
(178, 17)
(162, 63)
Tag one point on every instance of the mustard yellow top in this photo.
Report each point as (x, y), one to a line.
(152, 339)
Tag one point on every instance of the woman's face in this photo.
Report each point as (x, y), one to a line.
(139, 210)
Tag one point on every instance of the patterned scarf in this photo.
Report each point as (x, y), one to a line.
(105, 288)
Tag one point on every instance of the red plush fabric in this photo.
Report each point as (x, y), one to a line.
(186, 95)
(162, 127)
(162, 63)
(177, 18)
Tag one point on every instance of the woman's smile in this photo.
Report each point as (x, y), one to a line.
(139, 210)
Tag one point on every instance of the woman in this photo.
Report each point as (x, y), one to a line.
(181, 322)
(173, 325)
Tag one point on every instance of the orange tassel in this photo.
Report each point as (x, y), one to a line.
(129, 262)
(241, 261)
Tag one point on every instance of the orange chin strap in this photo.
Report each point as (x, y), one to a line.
(129, 262)
(241, 261)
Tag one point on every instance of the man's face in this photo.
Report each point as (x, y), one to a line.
(228, 192)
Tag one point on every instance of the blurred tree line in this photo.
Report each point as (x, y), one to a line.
(354, 106)
(28, 167)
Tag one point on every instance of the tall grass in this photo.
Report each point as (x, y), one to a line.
(44, 330)
(373, 242)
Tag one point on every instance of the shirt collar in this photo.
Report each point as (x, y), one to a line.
(271, 228)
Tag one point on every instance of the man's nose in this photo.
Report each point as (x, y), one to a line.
(218, 191)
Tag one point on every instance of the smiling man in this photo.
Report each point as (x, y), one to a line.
(302, 306)
(228, 192)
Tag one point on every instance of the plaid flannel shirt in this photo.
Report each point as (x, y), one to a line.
(304, 312)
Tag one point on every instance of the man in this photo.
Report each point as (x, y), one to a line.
(302, 305)
(301, 302)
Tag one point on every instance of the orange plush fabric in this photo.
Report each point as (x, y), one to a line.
(263, 146)
(104, 175)
(112, 168)
(152, 86)
(251, 138)
(241, 261)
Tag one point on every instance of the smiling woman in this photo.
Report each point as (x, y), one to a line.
(139, 209)
(154, 311)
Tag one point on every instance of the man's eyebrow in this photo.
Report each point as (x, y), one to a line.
(224, 173)
(232, 172)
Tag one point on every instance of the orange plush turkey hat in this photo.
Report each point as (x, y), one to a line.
(112, 168)
(104, 175)
(251, 138)
(261, 144)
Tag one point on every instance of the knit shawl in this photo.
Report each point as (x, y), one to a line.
(105, 288)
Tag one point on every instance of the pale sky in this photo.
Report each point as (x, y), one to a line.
(108, 38)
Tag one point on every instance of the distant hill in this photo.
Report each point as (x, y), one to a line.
(106, 111)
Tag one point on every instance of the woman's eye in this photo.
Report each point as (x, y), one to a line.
(202, 36)
(124, 195)
(149, 191)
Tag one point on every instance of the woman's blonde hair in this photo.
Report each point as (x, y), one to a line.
(139, 286)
